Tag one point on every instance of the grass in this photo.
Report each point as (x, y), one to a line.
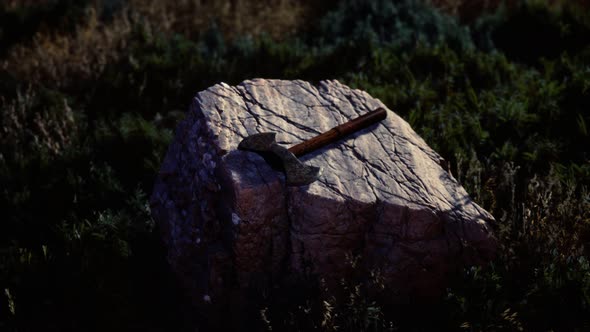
(89, 102)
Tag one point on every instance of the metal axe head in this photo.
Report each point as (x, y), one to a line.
(296, 172)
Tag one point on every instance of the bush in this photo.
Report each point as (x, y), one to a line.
(398, 23)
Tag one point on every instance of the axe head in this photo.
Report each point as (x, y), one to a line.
(296, 172)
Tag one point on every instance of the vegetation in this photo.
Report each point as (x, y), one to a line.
(90, 93)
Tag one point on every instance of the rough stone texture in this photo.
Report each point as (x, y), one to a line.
(229, 222)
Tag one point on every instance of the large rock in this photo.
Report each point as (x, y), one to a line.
(229, 221)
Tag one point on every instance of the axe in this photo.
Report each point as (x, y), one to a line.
(296, 172)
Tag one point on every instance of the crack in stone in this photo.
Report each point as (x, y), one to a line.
(416, 176)
(295, 100)
(246, 94)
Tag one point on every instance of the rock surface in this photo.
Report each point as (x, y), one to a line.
(229, 221)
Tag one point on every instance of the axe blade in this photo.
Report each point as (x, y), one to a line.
(296, 172)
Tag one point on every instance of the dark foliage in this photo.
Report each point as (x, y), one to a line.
(20, 24)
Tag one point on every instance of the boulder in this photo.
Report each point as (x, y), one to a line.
(229, 221)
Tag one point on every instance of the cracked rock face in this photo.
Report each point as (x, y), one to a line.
(229, 221)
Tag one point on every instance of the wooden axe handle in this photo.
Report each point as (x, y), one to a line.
(337, 133)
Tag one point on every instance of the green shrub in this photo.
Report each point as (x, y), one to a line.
(534, 30)
(399, 23)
